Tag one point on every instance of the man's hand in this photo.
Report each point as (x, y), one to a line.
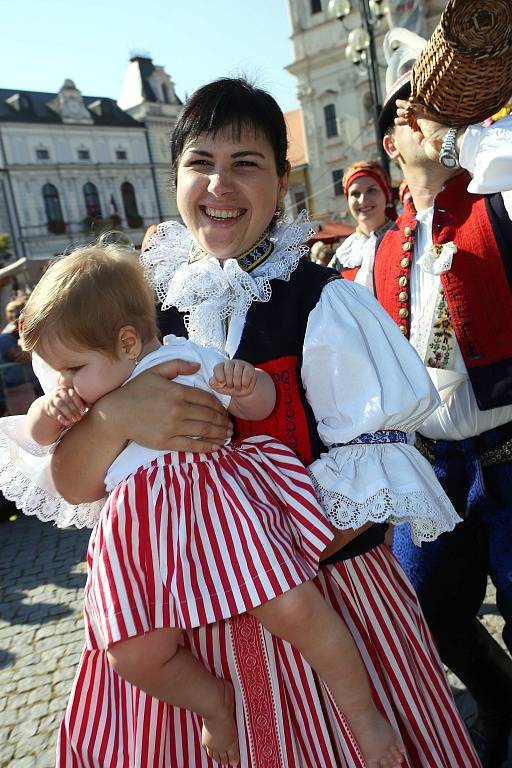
(426, 131)
(159, 414)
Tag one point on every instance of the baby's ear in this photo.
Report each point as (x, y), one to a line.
(129, 343)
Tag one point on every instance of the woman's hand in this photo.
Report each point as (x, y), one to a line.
(151, 410)
(155, 412)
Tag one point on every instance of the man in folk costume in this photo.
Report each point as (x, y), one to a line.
(443, 271)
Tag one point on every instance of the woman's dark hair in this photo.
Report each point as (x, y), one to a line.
(234, 103)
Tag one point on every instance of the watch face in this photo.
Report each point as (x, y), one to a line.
(448, 161)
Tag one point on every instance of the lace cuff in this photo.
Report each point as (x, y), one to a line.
(25, 479)
(382, 483)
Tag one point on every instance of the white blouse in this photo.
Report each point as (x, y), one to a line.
(359, 251)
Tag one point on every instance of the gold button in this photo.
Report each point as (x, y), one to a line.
(403, 296)
(403, 281)
(407, 231)
(403, 328)
(403, 312)
(404, 263)
(407, 247)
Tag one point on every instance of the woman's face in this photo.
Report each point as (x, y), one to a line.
(228, 190)
(367, 204)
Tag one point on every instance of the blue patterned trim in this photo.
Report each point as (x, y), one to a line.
(370, 438)
(248, 261)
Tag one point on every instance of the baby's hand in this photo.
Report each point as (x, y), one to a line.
(65, 406)
(234, 377)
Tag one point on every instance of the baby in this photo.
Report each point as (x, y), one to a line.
(189, 539)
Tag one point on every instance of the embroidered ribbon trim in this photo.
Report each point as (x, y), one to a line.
(371, 438)
(441, 340)
(252, 258)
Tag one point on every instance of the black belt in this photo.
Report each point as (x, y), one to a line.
(501, 453)
(366, 541)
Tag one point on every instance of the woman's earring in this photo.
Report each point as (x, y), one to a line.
(280, 211)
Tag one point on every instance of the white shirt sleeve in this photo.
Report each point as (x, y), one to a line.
(359, 372)
(487, 154)
(361, 376)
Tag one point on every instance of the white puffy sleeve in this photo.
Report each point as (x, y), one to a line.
(25, 469)
(486, 152)
(362, 377)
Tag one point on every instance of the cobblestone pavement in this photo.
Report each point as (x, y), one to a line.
(42, 574)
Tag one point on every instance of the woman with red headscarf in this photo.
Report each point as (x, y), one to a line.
(367, 187)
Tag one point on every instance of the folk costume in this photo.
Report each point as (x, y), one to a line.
(445, 277)
(279, 313)
(285, 717)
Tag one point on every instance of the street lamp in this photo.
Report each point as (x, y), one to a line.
(361, 49)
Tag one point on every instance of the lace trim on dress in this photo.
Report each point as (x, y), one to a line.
(350, 252)
(427, 520)
(209, 291)
(32, 494)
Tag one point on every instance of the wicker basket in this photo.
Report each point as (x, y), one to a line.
(464, 73)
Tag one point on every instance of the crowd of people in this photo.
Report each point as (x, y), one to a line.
(251, 437)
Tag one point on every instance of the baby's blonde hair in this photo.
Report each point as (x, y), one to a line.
(86, 297)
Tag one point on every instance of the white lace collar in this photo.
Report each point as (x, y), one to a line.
(208, 292)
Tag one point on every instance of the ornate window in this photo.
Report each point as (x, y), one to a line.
(133, 218)
(84, 154)
(316, 6)
(337, 180)
(165, 93)
(53, 210)
(121, 154)
(92, 200)
(42, 154)
(331, 122)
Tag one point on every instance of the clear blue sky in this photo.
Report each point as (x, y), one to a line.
(196, 41)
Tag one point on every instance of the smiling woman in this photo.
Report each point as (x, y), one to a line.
(234, 279)
(228, 189)
(367, 187)
(230, 168)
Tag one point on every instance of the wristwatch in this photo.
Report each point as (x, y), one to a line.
(448, 153)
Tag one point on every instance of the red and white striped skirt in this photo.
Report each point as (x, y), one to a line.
(194, 538)
(285, 717)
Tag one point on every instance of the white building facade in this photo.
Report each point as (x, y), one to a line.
(71, 165)
(335, 96)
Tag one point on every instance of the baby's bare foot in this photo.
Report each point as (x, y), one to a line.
(380, 745)
(220, 737)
